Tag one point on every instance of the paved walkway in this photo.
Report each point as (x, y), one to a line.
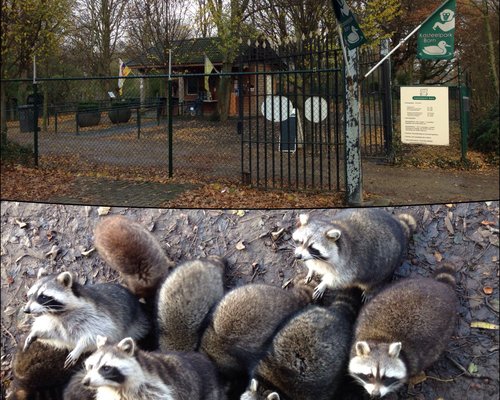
(110, 192)
(387, 185)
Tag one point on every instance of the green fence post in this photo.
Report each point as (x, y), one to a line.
(464, 120)
(35, 123)
(138, 123)
(170, 133)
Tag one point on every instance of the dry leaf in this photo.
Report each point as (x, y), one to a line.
(484, 325)
(240, 245)
(449, 226)
(21, 224)
(87, 252)
(487, 290)
(103, 210)
(449, 205)
(53, 252)
(488, 223)
(277, 234)
(415, 380)
(9, 310)
(438, 256)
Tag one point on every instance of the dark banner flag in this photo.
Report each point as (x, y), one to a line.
(351, 33)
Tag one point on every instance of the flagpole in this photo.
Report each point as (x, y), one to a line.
(394, 49)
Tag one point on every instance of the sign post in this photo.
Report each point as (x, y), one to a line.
(351, 38)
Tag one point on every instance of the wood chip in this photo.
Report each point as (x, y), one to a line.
(449, 226)
(438, 256)
(240, 245)
(277, 234)
(103, 210)
(488, 290)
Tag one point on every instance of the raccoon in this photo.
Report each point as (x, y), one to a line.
(358, 247)
(402, 331)
(38, 373)
(76, 390)
(185, 300)
(130, 249)
(125, 372)
(309, 355)
(243, 325)
(69, 315)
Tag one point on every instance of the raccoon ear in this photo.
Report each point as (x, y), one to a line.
(100, 341)
(65, 279)
(254, 385)
(127, 345)
(362, 349)
(333, 234)
(273, 396)
(41, 272)
(303, 220)
(394, 349)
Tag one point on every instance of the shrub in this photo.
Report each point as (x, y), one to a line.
(485, 136)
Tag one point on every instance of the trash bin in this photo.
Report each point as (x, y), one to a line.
(26, 118)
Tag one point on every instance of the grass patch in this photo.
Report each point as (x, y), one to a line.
(13, 153)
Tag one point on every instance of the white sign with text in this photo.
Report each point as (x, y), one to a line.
(424, 115)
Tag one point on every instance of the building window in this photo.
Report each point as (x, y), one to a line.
(192, 86)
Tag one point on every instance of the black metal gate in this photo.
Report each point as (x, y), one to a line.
(290, 114)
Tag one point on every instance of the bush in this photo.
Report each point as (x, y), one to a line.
(485, 137)
(14, 153)
(88, 106)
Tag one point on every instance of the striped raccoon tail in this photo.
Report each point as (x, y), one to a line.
(446, 274)
(409, 224)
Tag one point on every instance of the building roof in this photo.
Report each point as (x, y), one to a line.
(186, 52)
(191, 52)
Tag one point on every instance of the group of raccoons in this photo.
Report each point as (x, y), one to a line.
(176, 333)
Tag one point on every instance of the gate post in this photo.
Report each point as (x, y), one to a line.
(353, 171)
(387, 101)
(36, 129)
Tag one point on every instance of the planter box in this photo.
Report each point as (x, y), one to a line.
(88, 118)
(120, 115)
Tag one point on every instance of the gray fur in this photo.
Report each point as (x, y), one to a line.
(358, 247)
(185, 299)
(84, 312)
(152, 375)
(403, 330)
(129, 248)
(75, 390)
(308, 356)
(244, 321)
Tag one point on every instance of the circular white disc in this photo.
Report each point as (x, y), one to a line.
(315, 109)
(276, 108)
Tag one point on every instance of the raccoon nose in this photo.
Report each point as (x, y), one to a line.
(86, 381)
(26, 309)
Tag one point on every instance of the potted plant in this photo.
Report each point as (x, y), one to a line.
(120, 112)
(88, 114)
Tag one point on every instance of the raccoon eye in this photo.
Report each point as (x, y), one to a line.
(388, 381)
(43, 298)
(106, 368)
(366, 377)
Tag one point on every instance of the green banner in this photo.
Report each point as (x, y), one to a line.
(351, 32)
(436, 37)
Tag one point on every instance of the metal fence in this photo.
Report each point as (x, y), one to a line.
(290, 116)
(285, 127)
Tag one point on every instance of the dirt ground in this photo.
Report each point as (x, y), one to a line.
(59, 236)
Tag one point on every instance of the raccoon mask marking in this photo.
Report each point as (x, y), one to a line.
(49, 296)
(378, 367)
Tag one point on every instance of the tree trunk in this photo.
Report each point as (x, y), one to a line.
(3, 114)
(491, 48)
(224, 92)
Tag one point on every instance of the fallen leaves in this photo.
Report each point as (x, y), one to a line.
(484, 325)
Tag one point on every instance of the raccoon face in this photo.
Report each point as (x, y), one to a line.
(111, 366)
(50, 294)
(315, 240)
(378, 367)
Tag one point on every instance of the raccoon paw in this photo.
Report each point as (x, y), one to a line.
(27, 343)
(71, 359)
(309, 276)
(319, 291)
